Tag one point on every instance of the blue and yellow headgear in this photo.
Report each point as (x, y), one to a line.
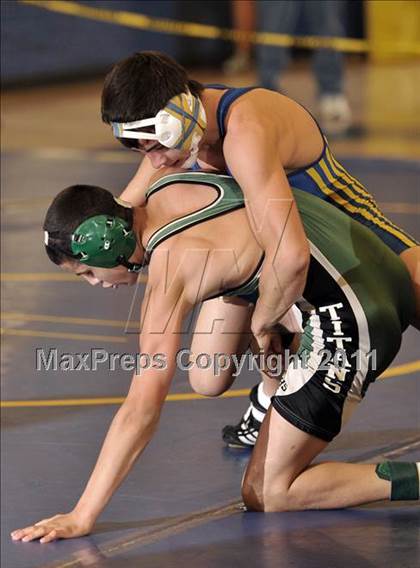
(180, 125)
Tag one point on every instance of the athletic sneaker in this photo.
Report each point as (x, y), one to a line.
(245, 433)
(335, 114)
(238, 63)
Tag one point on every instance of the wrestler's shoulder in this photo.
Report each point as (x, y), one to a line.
(163, 172)
(256, 106)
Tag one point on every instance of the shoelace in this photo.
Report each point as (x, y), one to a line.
(248, 429)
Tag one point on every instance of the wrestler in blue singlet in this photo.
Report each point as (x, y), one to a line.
(327, 179)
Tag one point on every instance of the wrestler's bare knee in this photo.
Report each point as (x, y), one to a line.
(252, 494)
(256, 497)
(206, 383)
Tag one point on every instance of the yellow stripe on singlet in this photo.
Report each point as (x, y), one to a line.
(361, 195)
(342, 201)
(340, 171)
(335, 182)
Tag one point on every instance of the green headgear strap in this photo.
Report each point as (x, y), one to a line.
(103, 241)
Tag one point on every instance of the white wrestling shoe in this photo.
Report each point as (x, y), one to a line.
(245, 433)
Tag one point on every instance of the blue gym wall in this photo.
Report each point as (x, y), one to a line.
(39, 45)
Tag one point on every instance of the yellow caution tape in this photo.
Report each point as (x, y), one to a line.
(192, 29)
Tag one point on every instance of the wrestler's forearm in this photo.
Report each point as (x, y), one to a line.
(282, 282)
(135, 191)
(130, 431)
(278, 229)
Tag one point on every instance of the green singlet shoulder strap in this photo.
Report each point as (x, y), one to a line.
(229, 198)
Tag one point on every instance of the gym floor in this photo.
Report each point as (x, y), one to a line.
(181, 504)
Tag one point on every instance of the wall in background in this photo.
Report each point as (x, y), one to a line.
(39, 45)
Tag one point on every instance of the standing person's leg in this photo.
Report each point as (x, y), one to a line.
(325, 18)
(243, 16)
(275, 17)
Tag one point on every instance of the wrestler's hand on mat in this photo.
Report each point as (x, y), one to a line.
(69, 525)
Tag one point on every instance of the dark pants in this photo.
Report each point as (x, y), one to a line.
(323, 18)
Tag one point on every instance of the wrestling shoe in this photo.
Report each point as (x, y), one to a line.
(245, 433)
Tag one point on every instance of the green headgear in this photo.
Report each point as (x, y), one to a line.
(104, 241)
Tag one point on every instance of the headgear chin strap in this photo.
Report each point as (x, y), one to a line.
(180, 125)
(131, 266)
(105, 242)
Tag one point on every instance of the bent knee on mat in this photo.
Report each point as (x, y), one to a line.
(264, 500)
(263, 496)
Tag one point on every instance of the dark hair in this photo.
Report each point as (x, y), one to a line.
(140, 86)
(69, 209)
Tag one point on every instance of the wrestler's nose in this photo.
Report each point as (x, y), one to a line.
(91, 280)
